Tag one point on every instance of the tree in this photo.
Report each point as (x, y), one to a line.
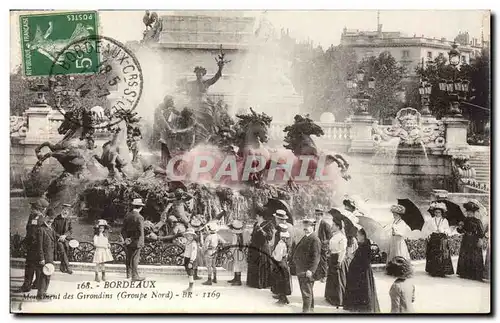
(388, 76)
(21, 97)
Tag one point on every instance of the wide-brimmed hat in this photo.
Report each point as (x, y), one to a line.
(236, 226)
(437, 206)
(349, 202)
(102, 222)
(308, 222)
(471, 206)
(399, 267)
(48, 269)
(212, 226)
(280, 214)
(138, 202)
(399, 209)
(189, 231)
(40, 204)
(285, 234)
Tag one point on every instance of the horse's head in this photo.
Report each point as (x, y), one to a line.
(259, 131)
(255, 126)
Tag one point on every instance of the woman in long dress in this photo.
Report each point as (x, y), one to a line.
(399, 231)
(325, 233)
(281, 273)
(259, 254)
(337, 266)
(436, 230)
(470, 261)
(360, 291)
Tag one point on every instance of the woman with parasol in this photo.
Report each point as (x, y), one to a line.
(259, 251)
(436, 230)
(470, 261)
(399, 230)
(337, 264)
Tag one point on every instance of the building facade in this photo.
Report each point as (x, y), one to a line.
(408, 51)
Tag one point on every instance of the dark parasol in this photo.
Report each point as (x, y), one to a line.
(274, 204)
(349, 227)
(454, 213)
(413, 217)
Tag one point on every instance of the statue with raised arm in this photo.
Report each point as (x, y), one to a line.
(201, 105)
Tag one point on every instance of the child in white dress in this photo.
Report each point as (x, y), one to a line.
(102, 252)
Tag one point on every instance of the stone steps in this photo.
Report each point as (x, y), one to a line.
(480, 161)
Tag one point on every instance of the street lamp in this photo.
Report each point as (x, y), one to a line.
(425, 90)
(455, 89)
(361, 98)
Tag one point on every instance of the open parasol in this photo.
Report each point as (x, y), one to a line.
(375, 232)
(454, 213)
(349, 228)
(413, 217)
(274, 204)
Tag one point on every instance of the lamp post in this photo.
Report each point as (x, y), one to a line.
(361, 98)
(425, 90)
(455, 89)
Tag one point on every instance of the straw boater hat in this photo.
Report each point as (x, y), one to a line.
(280, 214)
(195, 223)
(212, 227)
(48, 269)
(399, 209)
(137, 202)
(285, 234)
(236, 226)
(437, 206)
(189, 231)
(283, 227)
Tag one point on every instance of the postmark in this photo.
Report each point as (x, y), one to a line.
(45, 36)
(116, 82)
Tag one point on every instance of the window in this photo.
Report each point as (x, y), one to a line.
(406, 54)
(429, 55)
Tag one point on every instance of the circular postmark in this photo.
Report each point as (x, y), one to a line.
(109, 80)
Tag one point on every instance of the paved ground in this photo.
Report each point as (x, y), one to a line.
(433, 295)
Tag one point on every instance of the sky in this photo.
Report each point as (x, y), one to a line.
(322, 27)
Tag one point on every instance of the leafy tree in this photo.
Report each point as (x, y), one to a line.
(20, 95)
(389, 77)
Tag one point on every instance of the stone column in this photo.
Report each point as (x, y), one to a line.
(38, 122)
(456, 134)
(361, 134)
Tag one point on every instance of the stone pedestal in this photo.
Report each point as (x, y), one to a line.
(456, 135)
(361, 134)
(38, 122)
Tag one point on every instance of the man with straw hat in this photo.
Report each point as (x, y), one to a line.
(133, 235)
(196, 224)
(46, 242)
(306, 259)
(238, 256)
(190, 254)
(38, 209)
(210, 252)
(62, 227)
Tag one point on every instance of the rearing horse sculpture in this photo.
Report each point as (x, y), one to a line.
(77, 130)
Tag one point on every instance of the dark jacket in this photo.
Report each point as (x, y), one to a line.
(34, 222)
(62, 226)
(307, 254)
(46, 244)
(133, 228)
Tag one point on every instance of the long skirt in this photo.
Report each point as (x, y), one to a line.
(438, 258)
(335, 281)
(470, 261)
(398, 247)
(487, 265)
(281, 278)
(322, 270)
(259, 267)
(360, 291)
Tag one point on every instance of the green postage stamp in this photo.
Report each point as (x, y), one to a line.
(48, 43)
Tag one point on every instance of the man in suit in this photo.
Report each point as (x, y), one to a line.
(133, 234)
(63, 229)
(38, 209)
(46, 244)
(306, 258)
